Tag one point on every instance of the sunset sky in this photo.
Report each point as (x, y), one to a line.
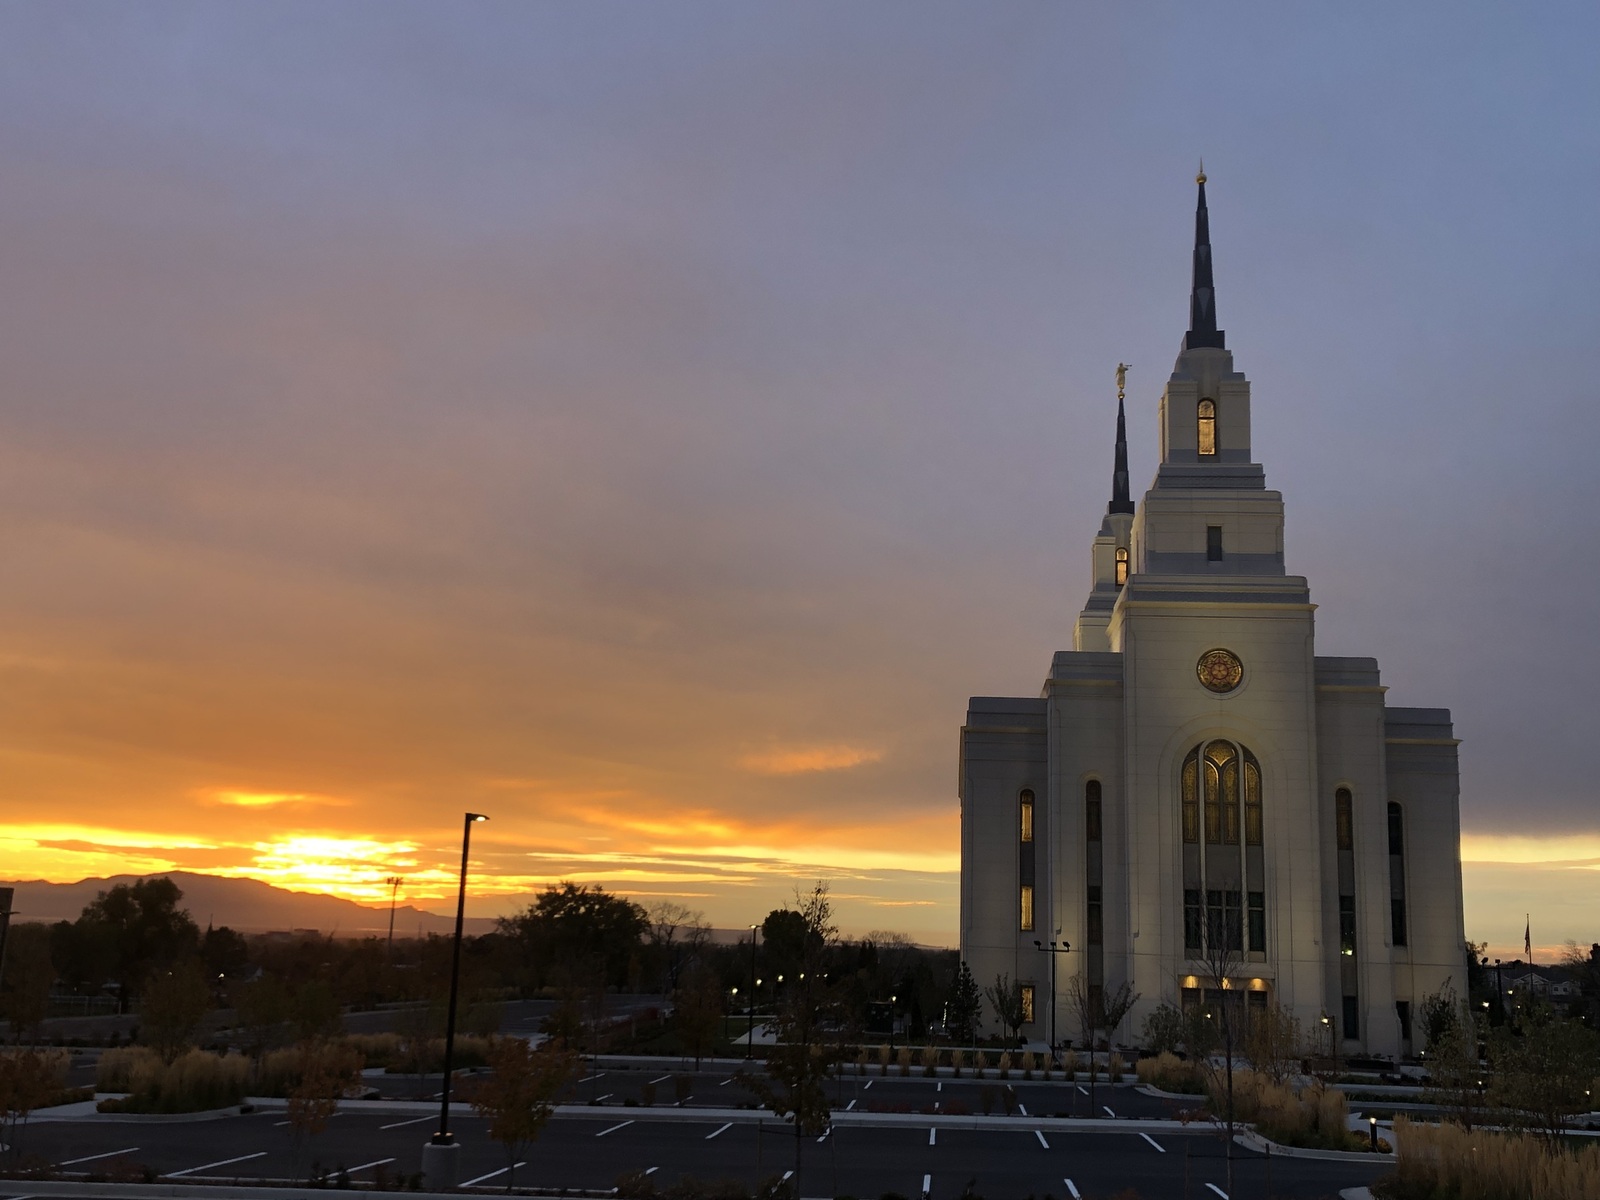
(648, 424)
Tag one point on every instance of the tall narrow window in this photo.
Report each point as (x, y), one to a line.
(1258, 922)
(1191, 796)
(1402, 1009)
(1397, 875)
(1027, 1003)
(1027, 816)
(1025, 916)
(1347, 925)
(1221, 768)
(1191, 918)
(1352, 1017)
(1344, 819)
(1091, 810)
(1206, 423)
(1213, 543)
(1252, 800)
(1122, 565)
(1096, 918)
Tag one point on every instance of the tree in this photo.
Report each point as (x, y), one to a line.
(1545, 1070)
(1115, 1007)
(1005, 997)
(575, 924)
(697, 1010)
(520, 1093)
(29, 1079)
(1163, 1029)
(1583, 968)
(145, 929)
(677, 934)
(262, 1010)
(25, 1000)
(963, 1007)
(1272, 1042)
(809, 1025)
(314, 1012)
(1095, 1010)
(1222, 954)
(174, 1004)
(326, 1072)
(224, 953)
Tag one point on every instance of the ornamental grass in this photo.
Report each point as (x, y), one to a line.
(1447, 1162)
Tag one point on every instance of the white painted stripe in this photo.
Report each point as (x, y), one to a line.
(786, 1175)
(1073, 1188)
(651, 1170)
(1218, 1190)
(585, 1079)
(1038, 1134)
(1083, 1089)
(664, 1078)
(849, 1106)
(1107, 1107)
(825, 1134)
(1153, 1142)
(726, 1081)
(222, 1163)
(377, 1162)
(933, 1135)
(613, 1129)
(939, 1087)
(1022, 1108)
(490, 1175)
(723, 1129)
(91, 1157)
(868, 1088)
(927, 1185)
(606, 1096)
(412, 1121)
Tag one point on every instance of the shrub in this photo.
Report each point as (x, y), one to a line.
(958, 1059)
(980, 1060)
(930, 1060)
(194, 1082)
(904, 1060)
(1170, 1073)
(1314, 1117)
(121, 1066)
(883, 1059)
(1446, 1160)
(1114, 1067)
(1163, 1029)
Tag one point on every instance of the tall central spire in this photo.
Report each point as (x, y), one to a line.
(1121, 502)
(1203, 329)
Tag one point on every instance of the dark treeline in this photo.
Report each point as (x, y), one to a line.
(574, 944)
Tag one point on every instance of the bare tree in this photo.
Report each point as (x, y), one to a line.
(1096, 1011)
(1272, 1043)
(1222, 956)
(1005, 997)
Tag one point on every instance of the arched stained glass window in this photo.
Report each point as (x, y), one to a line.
(1252, 800)
(1221, 772)
(1206, 423)
(1122, 565)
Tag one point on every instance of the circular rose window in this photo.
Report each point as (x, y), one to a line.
(1220, 670)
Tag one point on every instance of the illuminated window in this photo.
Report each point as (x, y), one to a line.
(1207, 423)
(1027, 1004)
(1027, 816)
(1191, 796)
(1252, 800)
(1091, 810)
(1213, 543)
(1221, 773)
(1026, 915)
(1344, 821)
(1122, 565)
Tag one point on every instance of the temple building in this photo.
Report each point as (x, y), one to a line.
(1196, 803)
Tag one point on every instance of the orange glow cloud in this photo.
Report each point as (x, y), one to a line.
(804, 760)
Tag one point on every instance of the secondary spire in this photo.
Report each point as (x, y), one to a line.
(1203, 331)
(1120, 501)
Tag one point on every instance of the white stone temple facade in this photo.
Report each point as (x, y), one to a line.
(1194, 785)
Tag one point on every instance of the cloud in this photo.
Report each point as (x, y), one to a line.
(805, 760)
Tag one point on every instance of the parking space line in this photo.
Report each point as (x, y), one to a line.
(868, 1088)
(490, 1175)
(1022, 1108)
(412, 1121)
(1107, 1107)
(1040, 1135)
(651, 1170)
(663, 1079)
(850, 1106)
(587, 1078)
(927, 1185)
(785, 1178)
(207, 1166)
(723, 1129)
(1073, 1188)
(825, 1134)
(607, 1096)
(91, 1157)
(1083, 1089)
(377, 1162)
(726, 1081)
(613, 1129)
(939, 1087)
(1218, 1190)
(1153, 1142)
(933, 1135)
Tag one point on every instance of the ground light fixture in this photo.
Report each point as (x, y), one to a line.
(441, 1156)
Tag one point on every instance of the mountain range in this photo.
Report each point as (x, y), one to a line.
(247, 905)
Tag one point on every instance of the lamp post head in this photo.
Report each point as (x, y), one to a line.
(476, 817)
(1037, 944)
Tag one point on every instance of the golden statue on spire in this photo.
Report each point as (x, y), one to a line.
(1122, 379)
(1201, 177)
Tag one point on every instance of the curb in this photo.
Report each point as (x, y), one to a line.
(1254, 1141)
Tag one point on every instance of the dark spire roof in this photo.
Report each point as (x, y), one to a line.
(1203, 329)
(1120, 503)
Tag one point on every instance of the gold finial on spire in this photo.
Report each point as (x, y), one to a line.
(1122, 379)
(1201, 178)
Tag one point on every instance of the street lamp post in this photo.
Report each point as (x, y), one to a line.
(394, 882)
(440, 1156)
(1053, 949)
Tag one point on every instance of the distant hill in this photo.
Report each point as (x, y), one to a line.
(247, 905)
